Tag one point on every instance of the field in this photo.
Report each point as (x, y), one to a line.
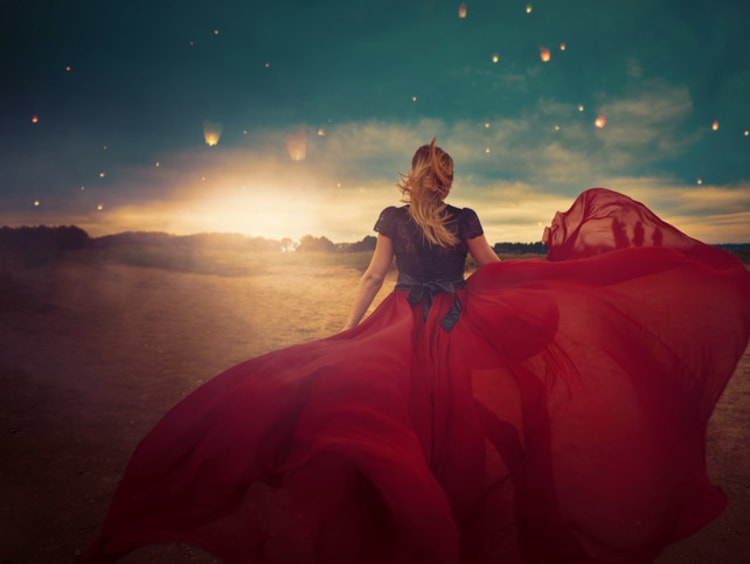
(95, 346)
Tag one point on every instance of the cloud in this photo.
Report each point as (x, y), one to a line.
(516, 173)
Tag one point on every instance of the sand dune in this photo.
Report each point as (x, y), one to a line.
(93, 353)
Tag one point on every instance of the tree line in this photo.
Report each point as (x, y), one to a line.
(43, 243)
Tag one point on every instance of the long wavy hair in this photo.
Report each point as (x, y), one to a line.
(424, 188)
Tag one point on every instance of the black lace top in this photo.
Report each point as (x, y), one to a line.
(415, 256)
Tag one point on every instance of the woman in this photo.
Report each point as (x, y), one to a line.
(432, 238)
(541, 411)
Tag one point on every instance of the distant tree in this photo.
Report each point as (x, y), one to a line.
(308, 243)
(537, 248)
(366, 244)
(37, 245)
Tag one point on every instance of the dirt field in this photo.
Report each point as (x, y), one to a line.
(93, 354)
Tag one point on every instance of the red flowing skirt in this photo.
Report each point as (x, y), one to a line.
(562, 419)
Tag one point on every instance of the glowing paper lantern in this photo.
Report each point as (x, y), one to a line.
(296, 144)
(35, 119)
(544, 54)
(715, 125)
(36, 203)
(600, 121)
(487, 150)
(747, 133)
(321, 132)
(495, 58)
(211, 132)
(100, 207)
(562, 47)
(529, 8)
(462, 10)
(102, 174)
(699, 181)
(580, 107)
(487, 125)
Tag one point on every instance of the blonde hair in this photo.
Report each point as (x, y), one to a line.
(424, 189)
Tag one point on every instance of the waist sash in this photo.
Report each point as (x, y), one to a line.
(426, 291)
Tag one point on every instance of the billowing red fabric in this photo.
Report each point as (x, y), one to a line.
(562, 419)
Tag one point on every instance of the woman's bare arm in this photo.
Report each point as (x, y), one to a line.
(481, 251)
(372, 280)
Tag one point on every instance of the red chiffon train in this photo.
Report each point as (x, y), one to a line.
(562, 419)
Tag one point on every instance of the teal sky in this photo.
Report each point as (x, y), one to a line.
(104, 105)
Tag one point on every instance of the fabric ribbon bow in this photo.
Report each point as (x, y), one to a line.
(426, 291)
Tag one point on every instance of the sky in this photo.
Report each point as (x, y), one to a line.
(182, 116)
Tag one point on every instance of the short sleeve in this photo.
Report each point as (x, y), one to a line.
(470, 224)
(386, 223)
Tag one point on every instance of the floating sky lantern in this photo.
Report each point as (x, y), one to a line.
(36, 203)
(487, 150)
(68, 69)
(562, 47)
(580, 107)
(487, 125)
(747, 133)
(413, 98)
(699, 181)
(529, 8)
(158, 164)
(715, 125)
(600, 121)
(495, 58)
(462, 10)
(212, 132)
(100, 207)
(296, 144)
(102, 174)
(544, 54)
(321, 132)
(557, 127)
(34, 119)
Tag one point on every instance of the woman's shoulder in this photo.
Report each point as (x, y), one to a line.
(459, 210)
(389, 217)
(468, 221)
(464, 213)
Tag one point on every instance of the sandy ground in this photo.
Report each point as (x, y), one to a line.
(92, 355)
